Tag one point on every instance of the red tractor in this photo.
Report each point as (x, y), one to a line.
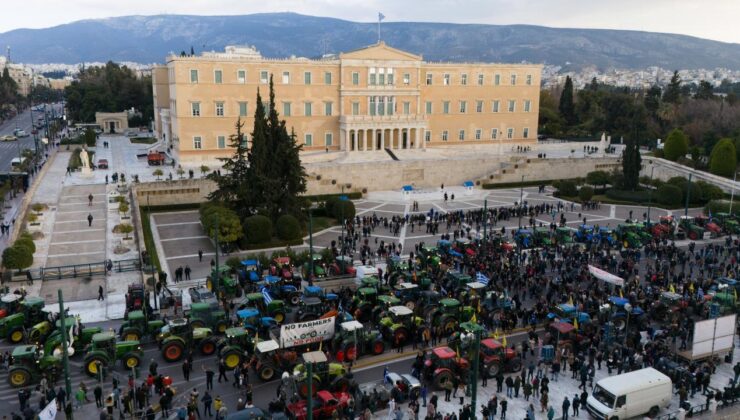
(136, 298)
(342, 266)
(324, 405)
(708, 225)
(664, 228)
(565, 336)
(282, 268)
(154, 158)
(494, 357)
(443, 364)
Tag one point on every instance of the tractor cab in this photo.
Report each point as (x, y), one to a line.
(408, 293)
(275, 308)
(313, 291)
(465, 335)
(524, 238)
(238, 336)
(400, 315)
(135, 297)
(179, 327)
(429, 255)
(585, 233)
(342, 266)
(204, 315)
(387, 301)
(708, 224)
(311, 308)
(253, 321)
(251, 271)
(563, 236)
(104, 341)
(220, 282)
(543, 236)
(688, 225)
(10, 304)
(367, 294)
(443, 364)
(283, 268)
(728, 222)
(567, 313)
(457, 280)
(318, 266)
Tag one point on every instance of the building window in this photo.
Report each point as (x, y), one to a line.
(372, 105)
(391, 105)
(480, 80)
(512, 105)
(308, 139)
(307, 78)
(525, 133)
(193, 76)
(463, 107)
(444, 135)
(245, 140)
(446, 79)
(494, 133)
(497, 79)
(479, 106)
(219, 109)
(286, 77)
(307, 109)
(286, 109)
(328, 139)
(241, 76)
(327, 109)
(381, 79)
(390, 78)
(463, 79)
(406, 108)
(427, 136)
(218, 76)
(513, 79)
(461, 135)
(429, 107)
(327, 78)
(509, 133)
(195, 108)
(355, 108)
(372, 79)
(478, 133)
(264, 77)
(529, 80)
(406, 78)
(445, 107)
(381, 105)
(221, 142)
(429, 79)
(242, 109)
(496, 105)
(197, 142)
(527, 105)
(355, 78)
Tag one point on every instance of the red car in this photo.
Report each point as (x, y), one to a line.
(324, 405)
(103, 164)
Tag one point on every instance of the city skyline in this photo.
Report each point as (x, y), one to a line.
(685, 17)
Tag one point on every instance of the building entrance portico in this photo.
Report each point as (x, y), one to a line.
(369, 136)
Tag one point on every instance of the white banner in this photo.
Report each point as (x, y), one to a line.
(300, 333)
(50, 411)
(606, 276)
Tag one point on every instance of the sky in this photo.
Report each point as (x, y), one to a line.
(715, 19)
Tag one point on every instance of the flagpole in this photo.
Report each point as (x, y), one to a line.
(378, 28)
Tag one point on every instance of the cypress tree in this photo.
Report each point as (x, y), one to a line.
(567, 107)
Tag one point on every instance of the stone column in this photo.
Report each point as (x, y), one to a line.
(364, 140)
(354, 135)
(372, 139)
(419, 139)
(342, 140)
(382, 138)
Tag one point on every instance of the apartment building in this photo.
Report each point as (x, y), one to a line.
(369, 99)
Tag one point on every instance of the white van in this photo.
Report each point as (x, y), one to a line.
(630, 394)
(15, 162)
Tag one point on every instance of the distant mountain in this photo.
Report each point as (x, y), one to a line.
(148, 39)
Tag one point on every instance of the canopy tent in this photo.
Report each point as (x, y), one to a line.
(605, 276)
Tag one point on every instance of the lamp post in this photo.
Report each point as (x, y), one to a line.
(521, 204)
(628, 309)
(341, 245)
(65, 355)
(310, 251)
(688, 194)
(650, 196)
(732, 193)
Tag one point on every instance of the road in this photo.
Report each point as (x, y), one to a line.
(12, 149)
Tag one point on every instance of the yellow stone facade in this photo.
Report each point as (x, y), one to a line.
(373, 98)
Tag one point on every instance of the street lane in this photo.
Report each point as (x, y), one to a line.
(12, 149)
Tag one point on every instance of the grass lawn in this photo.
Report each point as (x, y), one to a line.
(603, 199)
(143, 140)
(320, 223)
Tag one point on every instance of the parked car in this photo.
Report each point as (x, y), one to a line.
(102, 163)
(8, 138)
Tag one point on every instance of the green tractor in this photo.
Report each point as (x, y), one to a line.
(179, 334)
(362, 306)
(429, 256)
(728, 223)
(318, 267)
(385, 302)
(632, 235)
(13, 327)
(399, 322)
(203, 315)
(325, 375)
(353, 340)
(227, 287)
(78, 337)
(105, 351)
(448, 313)
(29, 365)
(563, 236)
(275, 309)
(235, 347)
(139, 326)
(542, 236)
(10, 304)
(692, 230)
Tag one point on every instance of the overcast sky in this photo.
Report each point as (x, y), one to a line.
(715, 19)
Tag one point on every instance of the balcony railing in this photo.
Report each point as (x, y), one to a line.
(395, 118)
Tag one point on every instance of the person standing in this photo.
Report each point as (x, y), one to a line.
(187, 272)
(576, 404)
(89, 219)
(209, 377)
(89, 200)
(186, 370)
(100, 292)
(200, 255)
(98, 392)
(504, 405)
(566, 407)
(207, 401)
(222, 371)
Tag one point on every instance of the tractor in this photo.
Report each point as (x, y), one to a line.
(365, 300)
(29, 364)
(270, 360)
(203, 315)
(385, 302)
(41, 331)
(250, 272)
(137, 298)
(709, 225)
(408, 293)
(223, 284)
(618, 314)
(456, 281)
(353, 340)
(10, 304)
(318, 267)
(494, 358)
(568, 313)
(13, 327)
(283, 269)
(443, 364)
(524, 238)
(277, 288)
(179, 334)
(448, 313)
(728, 223)
(78, 337)
(663, 229)
(138, 326)
(255, 323)
(692, 230)
(667, 304)
(342, 266)
(429, 256)
(105, 351)
(542, 236)
(275, 308)
(606, 236)
(563, 236)
(399, 323)
(326, 376)
(311, 308)
(565, 336)
(632, 235)
(235, 346)
(585, 234)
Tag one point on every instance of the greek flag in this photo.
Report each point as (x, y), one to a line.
(266, 296)
(380, 16)
(340, 306)
(481, 278)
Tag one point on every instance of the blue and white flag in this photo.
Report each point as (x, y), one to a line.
(481, 278)
(380, 16)
(385, 374)
(266, 296)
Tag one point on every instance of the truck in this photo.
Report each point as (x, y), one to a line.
(632, 394)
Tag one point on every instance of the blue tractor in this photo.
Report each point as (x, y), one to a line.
(256, 324)
(280, 290)
(524, 238)
(618, 313)
(585, 234)
(251, 271)
(566, 312)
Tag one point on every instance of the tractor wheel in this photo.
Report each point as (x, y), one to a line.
(378, 347)
(515, 365)
(411, 304)
(303, 387)
(442, 378)
(279, 317)
(208, 347)
(414, 394)
(350, 352)
(449, 325)
(232, 358)
(693, 235)
(91, 365)
(493, 369)
(132, 335)
(34, 335)
(339, 384)
(16, 335)
(294, 299)
(131, 360)
(620, 323)
(172, 351)
(198, 323)
(266, 373)
(19, 377)
(400, 335)
(221, 327)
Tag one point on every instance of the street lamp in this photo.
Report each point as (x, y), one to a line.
(628, 309)
(732, 194)
(650, 196)
(521, 205)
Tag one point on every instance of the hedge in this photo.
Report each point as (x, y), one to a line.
(568, 188)
(585, 193)
(520, 184)
(696, 191)
(257, 230)
(722, 206)
(288, 228)
(327, 197)
(639, 196)
(669, 195)
(341, 208)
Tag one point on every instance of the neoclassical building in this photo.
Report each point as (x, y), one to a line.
(369, 99)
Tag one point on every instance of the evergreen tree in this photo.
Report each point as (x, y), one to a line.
(672, 94)
(631, 163)
(261, 183)
(567, 108)
(233, 187)
(652, 100)
(594, 86)
(705, 91)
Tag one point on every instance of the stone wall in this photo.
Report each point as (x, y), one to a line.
(664, 170)
(175, 192)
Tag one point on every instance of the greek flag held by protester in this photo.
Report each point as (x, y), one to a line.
(266, 296)
(481, 278)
